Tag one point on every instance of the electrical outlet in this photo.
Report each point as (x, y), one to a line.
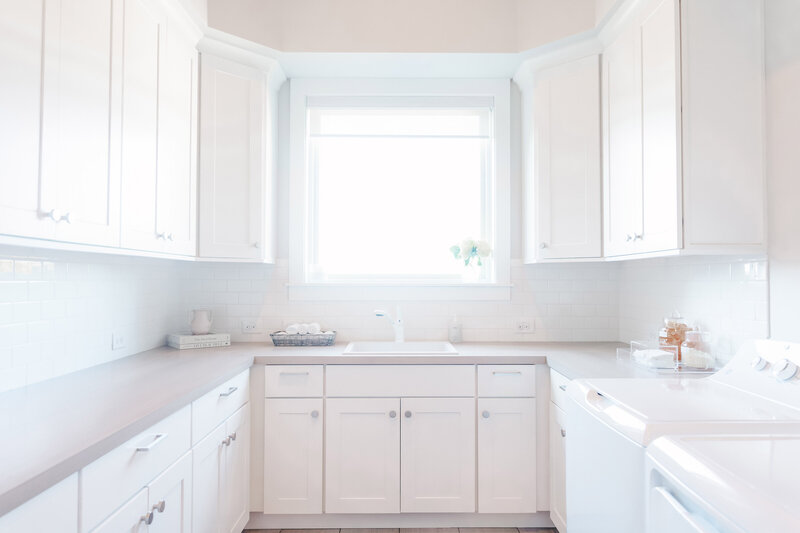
(525, 325)
(250, 325)
(117, 341)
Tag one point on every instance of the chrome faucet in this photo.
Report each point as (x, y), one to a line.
(397, 323)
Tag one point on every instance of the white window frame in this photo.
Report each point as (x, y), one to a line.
(304, 88)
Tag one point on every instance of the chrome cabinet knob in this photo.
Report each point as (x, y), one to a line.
(485, 414)
(314, 413)
(392, 414)
(232, 436)
(67, 217)
(160, 506)
(407, 414)
(256, 245)
(628, 237)
(161, 235)
(543, 245)
(637, 236)
(148, 518)
(170, 237)
(226, 441)
(563, 432)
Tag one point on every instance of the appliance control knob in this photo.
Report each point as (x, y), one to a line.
(759, 363)
(784, 370)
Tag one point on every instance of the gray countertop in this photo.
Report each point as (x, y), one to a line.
(54, 428)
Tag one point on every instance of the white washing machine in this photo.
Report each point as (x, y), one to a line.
(724, 484)
(611, 421)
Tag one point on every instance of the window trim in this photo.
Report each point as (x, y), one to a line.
(303, 89)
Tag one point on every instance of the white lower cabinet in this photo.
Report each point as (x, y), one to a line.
(362, 456)
(55, 509)
(558, 474)
(507, 455)
(170, 498)
(130, 518)
(438, 455)
(220, 476)
(293, 456)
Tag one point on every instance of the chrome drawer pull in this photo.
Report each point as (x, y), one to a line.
(159, 438)
(563, 388)
(507, 372)
(228, 392)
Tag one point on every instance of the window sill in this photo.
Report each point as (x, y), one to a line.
(431, 291)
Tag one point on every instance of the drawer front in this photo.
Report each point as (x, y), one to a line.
(391, 381)
(214, 407)
(293, 381)
(108, 482)
(558, 389)
(507, 381)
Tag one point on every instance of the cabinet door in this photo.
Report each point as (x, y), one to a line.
(176, 195)
(79, 181)
(558, 476)
(293, 456)
(236, 502)
(143, 36)
(567, 158)
(232, 160)
(438, 455)
(661, 184)
(55, 509)
(208, 472)
(507, 455)
(622, 143)
(170, 497)
(130, 518)
(20, 105)
(362, 455)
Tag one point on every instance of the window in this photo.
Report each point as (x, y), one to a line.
(389, 180)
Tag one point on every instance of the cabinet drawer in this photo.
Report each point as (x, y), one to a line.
(558, 389)
(214, 407)
(300, 381)
(507, 381)
(391, 381)
(108, 482)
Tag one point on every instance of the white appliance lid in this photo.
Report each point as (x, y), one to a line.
(752, 481)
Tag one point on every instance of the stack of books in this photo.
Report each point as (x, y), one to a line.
(210, 340)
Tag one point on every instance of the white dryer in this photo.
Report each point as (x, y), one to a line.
(612, 421)
(724, 484)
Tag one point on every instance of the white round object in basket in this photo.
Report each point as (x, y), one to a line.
(314, 328)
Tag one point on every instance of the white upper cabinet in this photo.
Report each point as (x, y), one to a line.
(566, 161)
(176, 195)
(79, 181)
(57, 96)
(158, 132)
(144, 31)
(20, 105)
(235, 176)
(683, 133)
(622, 162)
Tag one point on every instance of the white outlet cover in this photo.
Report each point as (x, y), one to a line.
(117, 341)
(251, 325)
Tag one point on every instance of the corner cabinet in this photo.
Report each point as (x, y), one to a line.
(683, 105)
(237, 139)
(566, 177)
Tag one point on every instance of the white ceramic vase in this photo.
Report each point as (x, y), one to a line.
(201, 321)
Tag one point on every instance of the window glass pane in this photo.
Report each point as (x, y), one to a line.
(423, 122)
(393, 206)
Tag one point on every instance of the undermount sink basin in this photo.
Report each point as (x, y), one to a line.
(401, 348)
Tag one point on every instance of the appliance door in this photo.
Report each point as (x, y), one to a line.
(605, 471)
(667, 515)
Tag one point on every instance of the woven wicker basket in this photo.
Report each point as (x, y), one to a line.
(309, 339)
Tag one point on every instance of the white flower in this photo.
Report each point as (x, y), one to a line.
(466, 247)
(483, 248)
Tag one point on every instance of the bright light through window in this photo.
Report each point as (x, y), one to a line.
(391, 189)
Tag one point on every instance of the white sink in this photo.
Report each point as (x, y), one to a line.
(401, 348)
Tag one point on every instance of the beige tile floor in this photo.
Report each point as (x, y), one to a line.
(413, 530)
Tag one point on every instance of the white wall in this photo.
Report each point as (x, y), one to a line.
(58, 310)
(727, 297)
(783, 165)
(487, 26)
